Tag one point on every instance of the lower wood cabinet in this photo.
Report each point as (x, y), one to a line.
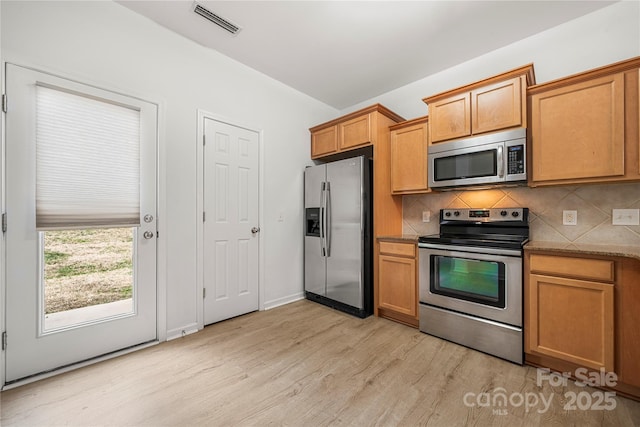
(571, 320)
(398, 287)
(581, 311)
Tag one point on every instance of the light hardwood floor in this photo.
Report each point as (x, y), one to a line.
(301, 365)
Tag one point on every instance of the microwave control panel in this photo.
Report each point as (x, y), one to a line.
(515, 159)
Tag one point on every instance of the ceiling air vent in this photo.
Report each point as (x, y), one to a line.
(225, 24)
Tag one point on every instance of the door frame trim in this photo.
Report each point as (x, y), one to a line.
(201, 116)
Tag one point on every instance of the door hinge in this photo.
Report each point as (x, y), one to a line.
(204, 140)
(4, 102)
(204, 216)
(4, 222)
(4, 340)
(204, 293)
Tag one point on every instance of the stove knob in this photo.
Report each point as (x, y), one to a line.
(503, 213)
(456, 213)
(515, 214)
(447, 214)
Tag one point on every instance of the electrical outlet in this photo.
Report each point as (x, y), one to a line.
(569, 217)
(426, 216)
(625, 217)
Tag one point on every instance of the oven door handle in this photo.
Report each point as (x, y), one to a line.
(471, 249)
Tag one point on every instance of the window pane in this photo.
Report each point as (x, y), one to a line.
(88, 275)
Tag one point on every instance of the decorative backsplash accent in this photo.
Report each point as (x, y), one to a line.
(594, 204)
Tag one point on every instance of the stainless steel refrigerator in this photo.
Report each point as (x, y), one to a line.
(338, 235)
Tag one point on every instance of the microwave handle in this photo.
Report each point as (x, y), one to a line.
(500, 161)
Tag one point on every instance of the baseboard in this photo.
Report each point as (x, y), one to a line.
(268, 305)
(181, 332)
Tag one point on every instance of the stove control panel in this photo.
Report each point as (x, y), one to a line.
(485, 215)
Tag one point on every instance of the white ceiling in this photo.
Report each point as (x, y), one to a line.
(345, 52)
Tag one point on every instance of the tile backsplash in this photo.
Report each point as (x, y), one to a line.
(594, 204)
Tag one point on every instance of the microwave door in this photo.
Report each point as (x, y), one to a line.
(467, 166)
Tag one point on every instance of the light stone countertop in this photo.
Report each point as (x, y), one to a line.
(401, 238)
(627, 251)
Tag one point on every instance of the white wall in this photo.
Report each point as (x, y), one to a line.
(105, 44)
(605, 36)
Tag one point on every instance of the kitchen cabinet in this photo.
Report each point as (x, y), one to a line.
(324, 142)
(492, 104)
(627, 318)
(571, 315)
(584, 128)
(398, 287)
(359, 129)
(581, 311)
(409, 142)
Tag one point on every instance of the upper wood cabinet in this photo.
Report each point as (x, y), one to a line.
(485, 106)
(450, 117)
(499, 106)
(584, 128)
(358, 129)
(409, 141)
(324, 142)
(356, 132)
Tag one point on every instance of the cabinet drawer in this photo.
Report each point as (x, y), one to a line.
(400, 249)
(584, 268)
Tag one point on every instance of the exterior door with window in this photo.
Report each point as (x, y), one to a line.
(81, 222)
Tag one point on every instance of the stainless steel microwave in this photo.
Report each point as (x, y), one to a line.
(492, 159)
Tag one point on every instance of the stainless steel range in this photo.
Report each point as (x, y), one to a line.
(470, 279)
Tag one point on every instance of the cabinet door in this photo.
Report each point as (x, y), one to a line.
(627, 322)
(324, 141)
(571, 320)
(497, 106)
(578, 131)
(409, 159)
(450, 118)
(355, 132)
(397, 286)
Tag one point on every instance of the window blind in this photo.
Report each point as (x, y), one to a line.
(87, 161)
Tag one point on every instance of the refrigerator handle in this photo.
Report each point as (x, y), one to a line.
(323, 197)
(327, 232)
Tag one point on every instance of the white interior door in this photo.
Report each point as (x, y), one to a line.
(40, 337)
(231, 229)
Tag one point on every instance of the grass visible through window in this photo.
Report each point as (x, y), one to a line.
(87, 267)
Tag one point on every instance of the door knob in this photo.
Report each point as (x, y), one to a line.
(255, 230)
(148, 234)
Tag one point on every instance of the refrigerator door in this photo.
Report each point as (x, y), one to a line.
(315, 267)
(345, 231)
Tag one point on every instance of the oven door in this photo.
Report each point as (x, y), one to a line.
(483, 282)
